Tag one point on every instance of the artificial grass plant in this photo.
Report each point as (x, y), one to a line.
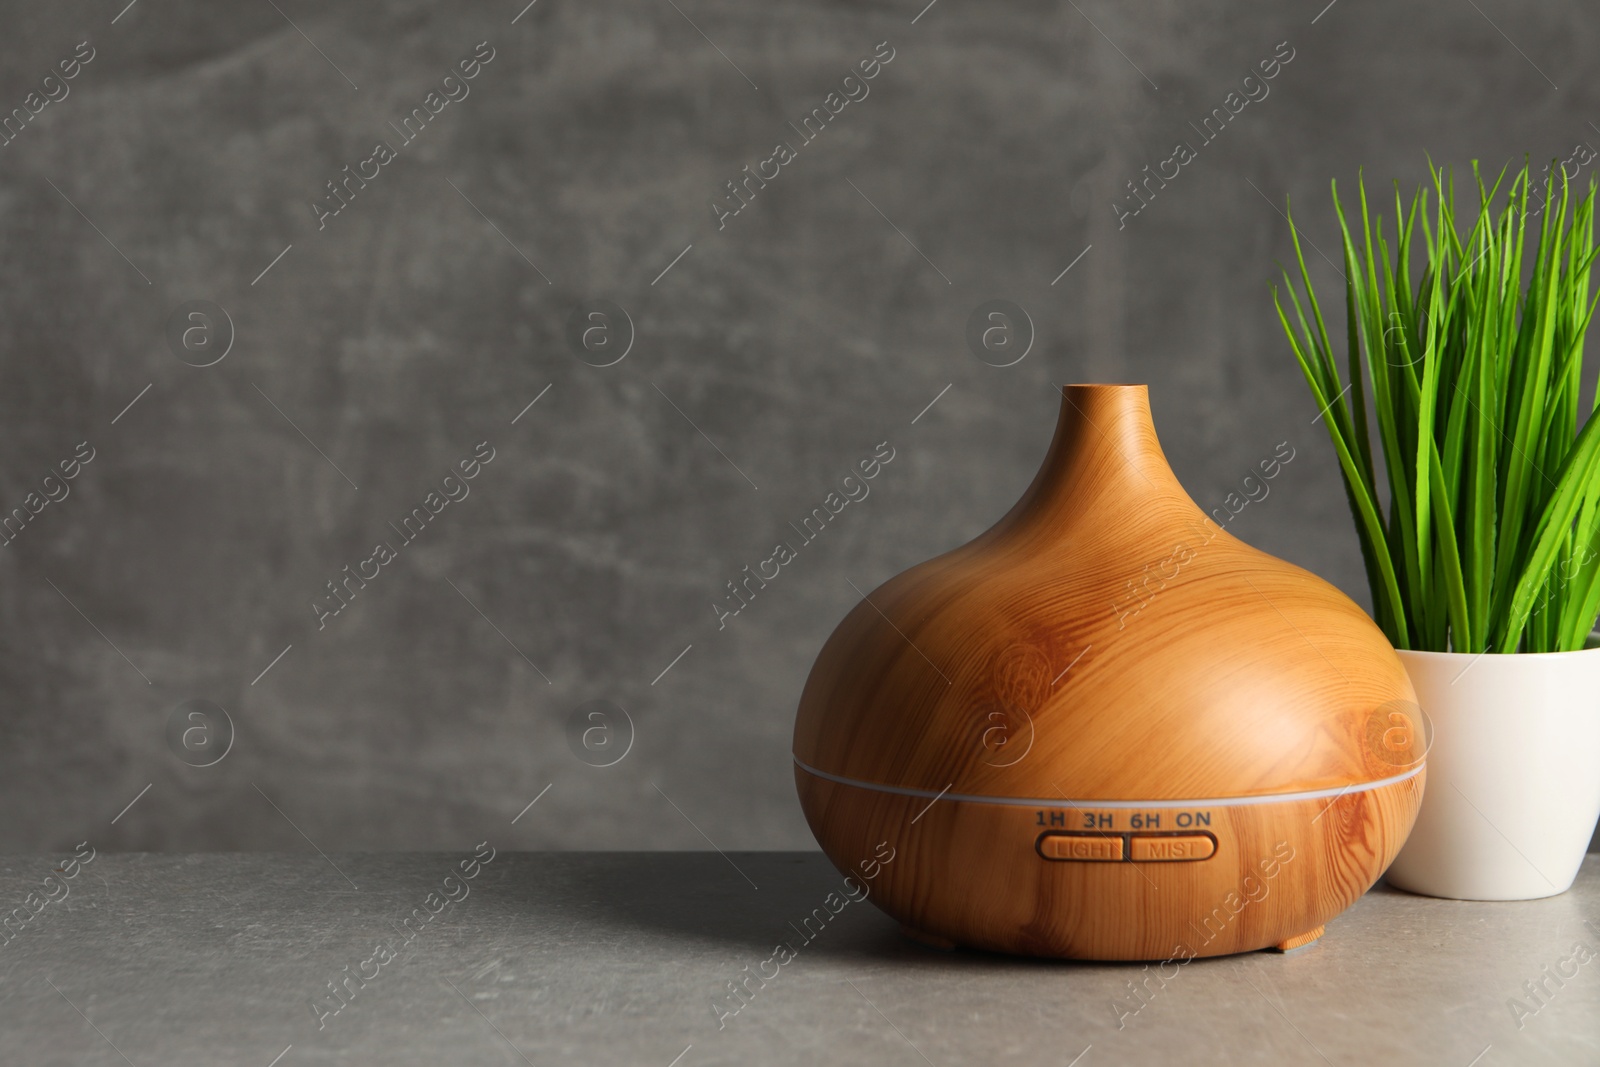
(1491, 537)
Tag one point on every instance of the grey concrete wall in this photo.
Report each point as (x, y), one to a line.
(393, 337)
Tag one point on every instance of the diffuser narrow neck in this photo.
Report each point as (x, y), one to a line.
(1104, 463)
(1120, 414)
(1105, 431)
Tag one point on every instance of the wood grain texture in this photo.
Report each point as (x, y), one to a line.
(1015, 666)
(968, 874)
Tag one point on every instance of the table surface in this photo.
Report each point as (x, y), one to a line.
(625, 958)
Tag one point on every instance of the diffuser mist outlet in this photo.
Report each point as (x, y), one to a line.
(1224, 769)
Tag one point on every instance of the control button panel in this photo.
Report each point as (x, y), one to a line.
(1172, 847)
(1080, 847)
(1134, 847)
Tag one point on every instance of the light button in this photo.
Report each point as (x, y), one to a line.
(1080, 847)
(1176, 847)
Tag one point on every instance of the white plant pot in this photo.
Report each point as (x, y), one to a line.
(1513, 787)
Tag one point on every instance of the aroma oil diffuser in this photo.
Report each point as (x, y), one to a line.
(1107, 729)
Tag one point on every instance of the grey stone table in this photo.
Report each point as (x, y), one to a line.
(606, 958)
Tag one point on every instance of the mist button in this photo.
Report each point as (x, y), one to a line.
(1173, 847)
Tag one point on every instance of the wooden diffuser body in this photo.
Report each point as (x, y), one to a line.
(1107, 729)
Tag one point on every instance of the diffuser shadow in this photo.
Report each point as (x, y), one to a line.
(744, 903)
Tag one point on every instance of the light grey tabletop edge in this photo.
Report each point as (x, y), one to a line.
(627, 958)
